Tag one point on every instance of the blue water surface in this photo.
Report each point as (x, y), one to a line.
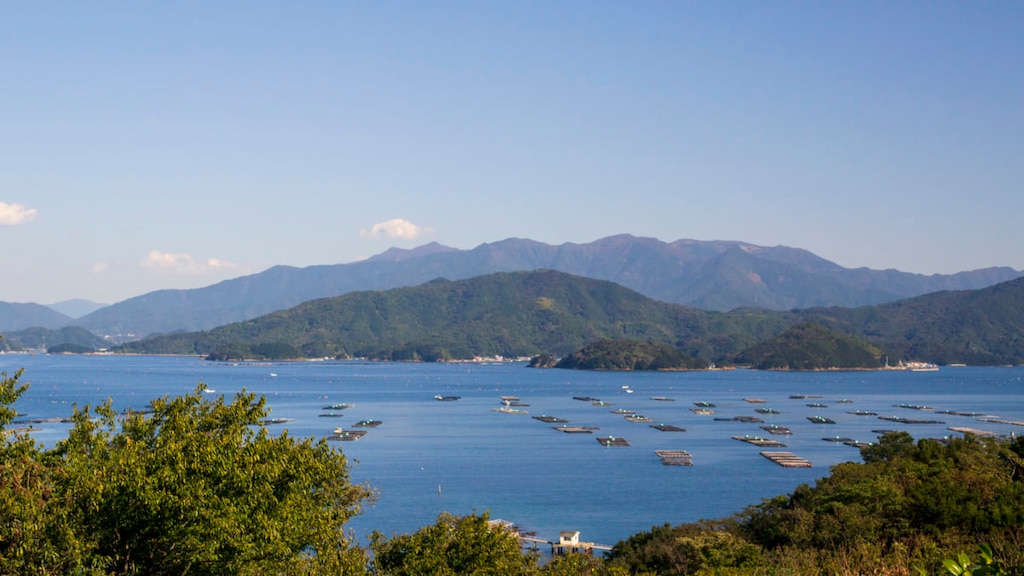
(462, 456)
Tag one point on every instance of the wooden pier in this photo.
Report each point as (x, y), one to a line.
(1002, 421)
(346, 435)
(367, 423)
(568, 541)
(965, 430)
(820, 420)
(747, 419)
(761, 442)
(675, 457)
(550, 419)
(903, 420)
(787, 459)
(576, 429)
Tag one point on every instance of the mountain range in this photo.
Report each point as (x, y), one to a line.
(709, 275)
(528, 313)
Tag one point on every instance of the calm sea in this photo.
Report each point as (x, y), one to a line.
(460, 457)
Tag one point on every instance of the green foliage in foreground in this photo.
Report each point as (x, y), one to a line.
(453, 545)
(473, 545)
(196, 486)
(910, 504)
(630, 355)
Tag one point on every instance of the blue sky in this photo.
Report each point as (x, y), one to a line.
(176, 145)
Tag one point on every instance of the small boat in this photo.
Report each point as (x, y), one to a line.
(821, 420)
(576, 429)
(346, 435)
(269, 421)
(702, 411)
(446, 398)
(550, 419)
(509, 410)
(638, 418)
(704, 404)
(367, 424)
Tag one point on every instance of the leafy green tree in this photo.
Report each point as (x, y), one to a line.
(196, 486)
(576, 564)
(987, 565)
(30, 540)
(453, 545)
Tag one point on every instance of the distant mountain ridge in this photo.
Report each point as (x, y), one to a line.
(548, 312)
(18, 316)
(76, 307)
(710, 275)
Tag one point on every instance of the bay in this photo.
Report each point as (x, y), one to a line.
(462, 456)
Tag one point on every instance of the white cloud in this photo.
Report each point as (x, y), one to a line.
(396, 228)
(14, 214)
(168, 263)
(100, 267)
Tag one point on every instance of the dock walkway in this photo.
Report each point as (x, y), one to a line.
(787, 459)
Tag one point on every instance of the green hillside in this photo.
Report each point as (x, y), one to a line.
(978, 327)
(508, 314)
(44, 338)
(629, 355)
(529, 313)
(811, 346)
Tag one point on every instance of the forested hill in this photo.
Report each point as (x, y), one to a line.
(982, 327)
(528, 313)
(811, 346)
(508, 314)
(714, 275)
(19, 316)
